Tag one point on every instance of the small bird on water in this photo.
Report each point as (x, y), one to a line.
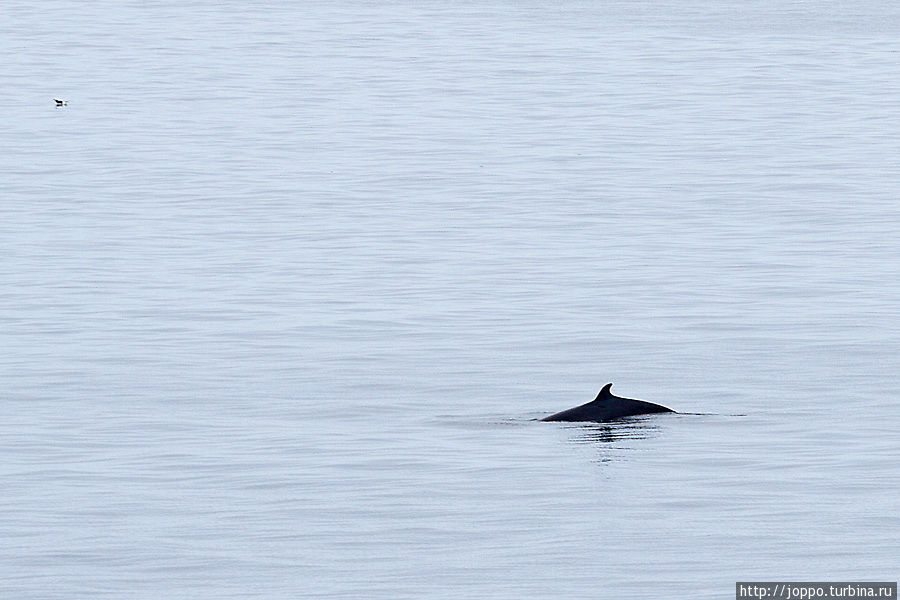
(60, 102)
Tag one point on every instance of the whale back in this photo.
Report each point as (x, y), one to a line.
(607, 407)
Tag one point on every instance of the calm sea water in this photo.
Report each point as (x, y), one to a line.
(284, 288)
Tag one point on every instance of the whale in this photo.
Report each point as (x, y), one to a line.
(607, 407)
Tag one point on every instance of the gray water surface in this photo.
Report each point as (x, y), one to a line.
(284, 289)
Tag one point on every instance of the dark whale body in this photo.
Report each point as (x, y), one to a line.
(607, 407)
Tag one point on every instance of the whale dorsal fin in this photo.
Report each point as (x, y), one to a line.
(604, 393)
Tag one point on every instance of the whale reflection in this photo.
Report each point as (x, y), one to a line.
(618, 431)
